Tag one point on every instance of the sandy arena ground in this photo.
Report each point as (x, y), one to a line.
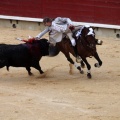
(58, 95)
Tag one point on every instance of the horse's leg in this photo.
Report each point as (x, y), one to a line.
(96, 56)
(72, 62)
(88, 67)
(82, 64)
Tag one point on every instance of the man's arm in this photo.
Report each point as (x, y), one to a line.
(58, 19)
(42, 33)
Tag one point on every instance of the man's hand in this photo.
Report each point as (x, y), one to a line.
(71, 27)
(37, 38)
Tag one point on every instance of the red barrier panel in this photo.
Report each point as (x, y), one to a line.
(94, 11)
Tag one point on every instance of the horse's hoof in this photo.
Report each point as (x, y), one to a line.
(82, 72)
(97, 65)
(99, 42)
(89, 76)
(82, 66)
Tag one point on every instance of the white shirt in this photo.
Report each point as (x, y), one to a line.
(59, 25)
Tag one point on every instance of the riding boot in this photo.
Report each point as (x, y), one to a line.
(76, 54)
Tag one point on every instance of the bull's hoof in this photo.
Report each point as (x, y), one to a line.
(41, 72)
(89, 76)
(7, 67)
(30, 74)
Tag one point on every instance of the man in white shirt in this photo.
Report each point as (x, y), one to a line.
(56, 28)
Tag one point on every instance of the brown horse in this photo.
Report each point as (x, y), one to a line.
(66, 48)
(86, 47)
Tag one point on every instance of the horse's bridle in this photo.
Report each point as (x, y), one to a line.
(91, 46)
(86, 44)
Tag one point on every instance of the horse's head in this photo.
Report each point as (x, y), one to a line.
(88, 35)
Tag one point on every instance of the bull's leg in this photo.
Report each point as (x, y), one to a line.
(37, 66)
(4, 63)
(7, 67)
(74, 63)
(88, 67)
(96, 56)
(29, 71)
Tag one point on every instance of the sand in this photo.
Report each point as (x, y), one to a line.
(59, 95)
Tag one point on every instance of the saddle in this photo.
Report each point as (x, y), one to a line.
(77, 31)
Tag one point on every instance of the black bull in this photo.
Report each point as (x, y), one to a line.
(24, 55)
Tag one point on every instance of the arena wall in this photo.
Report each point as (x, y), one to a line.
(101, 30)
(91, 11)
(28, 14)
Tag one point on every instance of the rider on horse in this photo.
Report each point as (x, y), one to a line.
(56, 29)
